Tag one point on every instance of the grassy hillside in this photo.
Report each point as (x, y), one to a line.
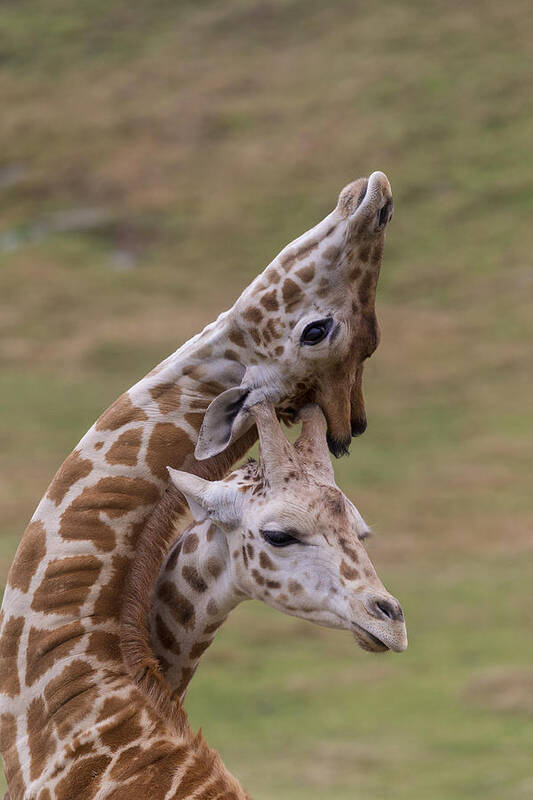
(154, 157)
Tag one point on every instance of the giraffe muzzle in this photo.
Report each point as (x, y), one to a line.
(382, 625)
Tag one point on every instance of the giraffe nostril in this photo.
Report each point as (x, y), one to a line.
(383, 608)
(385, 213)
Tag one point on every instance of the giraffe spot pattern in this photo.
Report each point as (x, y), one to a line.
(269, 301)
(120, 413)
(350, 552)
(167, 446)
(195, 419)
(74, 468)
(125, 728)
(198, 771)
(30, 553)
(198, 649)
(166, 636)
(292, 294)
(350, 573)
(237, 337)
(8, 746)
(70, 696)
(83, 779)
(66, 584)
(214, 567)
(137, 759)
(109, 601)
(41, 741)
(105, 646)
(193, 578)
(190, 543)
(46, 647)
(266, 562)
(115, 496)
(180, 606)
(253, 314)
(167, 396)
(9, 649)
(210, 629)
(126, 448)
(258, 578)
(307, 273)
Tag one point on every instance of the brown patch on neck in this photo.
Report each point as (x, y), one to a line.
(237, 337)
(74, 468)
(9, 649)
(41, 741)
(8, 747)
(121, 413)
(47, 646)
(31, 552)
(168, 446)
(126, 448)
(115, 496)
(167, 396)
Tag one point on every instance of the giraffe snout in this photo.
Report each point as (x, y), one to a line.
(384, 608)
(380, 624)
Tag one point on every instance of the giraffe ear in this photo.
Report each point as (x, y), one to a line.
(225, 420)
(214, 500)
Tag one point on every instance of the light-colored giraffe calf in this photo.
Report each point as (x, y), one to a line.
(277, 530)
(300, 332)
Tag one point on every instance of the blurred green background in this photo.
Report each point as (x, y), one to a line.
(154, 158)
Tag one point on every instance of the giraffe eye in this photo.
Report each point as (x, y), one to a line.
(315, 332)
(279, 538)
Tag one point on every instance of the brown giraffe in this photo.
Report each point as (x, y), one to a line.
(279, 531)
(301, 331)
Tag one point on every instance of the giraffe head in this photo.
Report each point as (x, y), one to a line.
(303, 329)
(293, 539)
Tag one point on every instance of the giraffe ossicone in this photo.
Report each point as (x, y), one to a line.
(299, 333)
(277, 530)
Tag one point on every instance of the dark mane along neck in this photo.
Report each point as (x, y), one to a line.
(152, 549)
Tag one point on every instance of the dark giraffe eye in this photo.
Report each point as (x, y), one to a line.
(279, 538)
(315, 332)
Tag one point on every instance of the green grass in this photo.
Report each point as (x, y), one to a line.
(331, 721)
(204, 137)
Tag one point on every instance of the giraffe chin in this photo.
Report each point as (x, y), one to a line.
(367, 641)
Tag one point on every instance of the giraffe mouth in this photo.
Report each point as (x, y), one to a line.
(367, 641)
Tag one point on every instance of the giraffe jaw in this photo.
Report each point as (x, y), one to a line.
(367, 641)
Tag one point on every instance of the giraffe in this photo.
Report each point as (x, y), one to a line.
(301, 331)
(278, 530)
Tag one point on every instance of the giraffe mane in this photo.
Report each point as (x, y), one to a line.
(152, 547)
(137, 654)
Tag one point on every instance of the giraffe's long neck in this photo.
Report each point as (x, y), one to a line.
(63, 679)
(85, 528)
(194, 594)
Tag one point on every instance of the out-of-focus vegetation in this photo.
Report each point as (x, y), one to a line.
(154, 157)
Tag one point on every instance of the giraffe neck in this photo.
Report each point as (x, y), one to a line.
(100, 498)
(60, 626)
(193, 595)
